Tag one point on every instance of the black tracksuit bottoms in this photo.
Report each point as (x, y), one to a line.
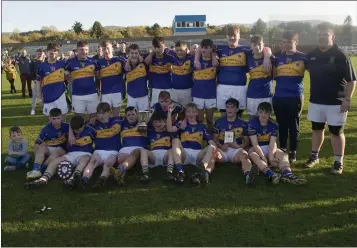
(287, 115)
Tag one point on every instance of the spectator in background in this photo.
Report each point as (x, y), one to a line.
(193, 49)
(62, 57)
(122, 52)
(11, 74)
(2, 65)
(75, 52)
(99, 55)
(70, 55)
(39, 58)
(17, 56)
(23, 64)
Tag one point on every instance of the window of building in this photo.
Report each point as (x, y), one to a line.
(202, 24)
(178, 24)
(197, 24)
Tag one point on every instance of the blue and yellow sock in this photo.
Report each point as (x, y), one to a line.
(315, 155)
(43, 168)
(179, 167)
(287, 172)
(36, 166)
(269, 173)
(246, 173)
(122, 168)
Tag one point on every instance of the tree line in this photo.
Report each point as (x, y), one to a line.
(97, 31)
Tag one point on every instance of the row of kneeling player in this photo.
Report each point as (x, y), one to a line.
(120, 143)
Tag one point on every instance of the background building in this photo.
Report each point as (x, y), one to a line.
(189, 25)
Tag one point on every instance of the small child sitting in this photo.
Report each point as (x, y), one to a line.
(17, 158)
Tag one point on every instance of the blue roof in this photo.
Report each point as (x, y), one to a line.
(194, 18)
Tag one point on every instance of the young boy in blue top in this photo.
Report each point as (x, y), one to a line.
(263, 134)
(18, 156)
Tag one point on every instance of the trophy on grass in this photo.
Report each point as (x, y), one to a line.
(144, 117)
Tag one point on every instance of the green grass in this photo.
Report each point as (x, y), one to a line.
(225, 213)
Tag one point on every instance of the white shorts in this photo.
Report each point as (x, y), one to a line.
(204, 103)
(183, 97)
(230, 153)
(253, 103)
(326, 113)
(83, 104)
(51, 148)
(59, 103)
(191, 156)
(159, 157)
(155, 95)
(128, 150)
(224, 92)
(74, 157)
(140, 103)
(104, 155)
(265, 150)
(113, 99)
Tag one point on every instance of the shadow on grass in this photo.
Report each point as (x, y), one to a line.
(206, 228)
(16, 96)
(224, 213)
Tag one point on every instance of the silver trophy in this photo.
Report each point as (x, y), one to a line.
(144, 117)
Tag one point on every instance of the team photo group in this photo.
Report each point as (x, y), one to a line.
(172, 98)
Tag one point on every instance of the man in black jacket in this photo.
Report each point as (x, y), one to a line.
(23, 63)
